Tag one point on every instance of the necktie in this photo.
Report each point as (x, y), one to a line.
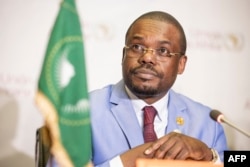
(148, 124)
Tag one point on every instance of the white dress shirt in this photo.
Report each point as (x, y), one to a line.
(161, 119)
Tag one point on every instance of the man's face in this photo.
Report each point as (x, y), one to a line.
(149, 75)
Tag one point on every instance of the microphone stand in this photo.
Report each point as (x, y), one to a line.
(235, 127)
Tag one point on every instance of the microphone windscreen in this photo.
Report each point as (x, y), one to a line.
(214, 114)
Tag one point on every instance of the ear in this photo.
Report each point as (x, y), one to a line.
(182, 64)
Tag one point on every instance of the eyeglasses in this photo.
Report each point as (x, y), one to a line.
(139, 50)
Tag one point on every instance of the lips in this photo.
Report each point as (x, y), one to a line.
(145, 74)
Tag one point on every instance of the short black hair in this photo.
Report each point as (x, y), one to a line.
(165, 17)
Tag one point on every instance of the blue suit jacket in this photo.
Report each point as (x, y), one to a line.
(115, 128)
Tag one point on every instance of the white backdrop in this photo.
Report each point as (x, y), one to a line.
(217, 73)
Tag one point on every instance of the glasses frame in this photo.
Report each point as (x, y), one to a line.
(154, 51)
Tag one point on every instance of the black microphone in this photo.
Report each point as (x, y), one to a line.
(219, 117)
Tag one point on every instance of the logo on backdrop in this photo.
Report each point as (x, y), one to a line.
(18, 85)
(99, 31)
(214, 40)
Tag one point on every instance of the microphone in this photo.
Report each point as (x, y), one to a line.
(219, 117)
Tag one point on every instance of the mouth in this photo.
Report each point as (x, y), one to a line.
(145, 74)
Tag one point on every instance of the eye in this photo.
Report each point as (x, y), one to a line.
(137, 48)
(163, 52)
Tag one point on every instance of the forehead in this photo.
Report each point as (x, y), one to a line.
(155, 30)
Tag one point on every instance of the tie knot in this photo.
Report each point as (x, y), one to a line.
(149, 114)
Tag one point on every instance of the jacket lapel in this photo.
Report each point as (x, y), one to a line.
(125, 116)
(177, 114)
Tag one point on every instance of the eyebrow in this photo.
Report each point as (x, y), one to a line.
(140, 38)
(137, 37)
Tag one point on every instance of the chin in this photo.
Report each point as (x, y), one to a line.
(144, 90)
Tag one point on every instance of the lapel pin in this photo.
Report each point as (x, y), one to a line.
(180, 120)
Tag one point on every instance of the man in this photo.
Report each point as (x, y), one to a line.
(179, 128)
(153, 56)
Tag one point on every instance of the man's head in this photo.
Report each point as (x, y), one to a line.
(154, 55)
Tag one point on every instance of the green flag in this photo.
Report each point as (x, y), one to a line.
(62, 90)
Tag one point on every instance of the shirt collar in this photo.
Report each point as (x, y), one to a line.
(160, 105)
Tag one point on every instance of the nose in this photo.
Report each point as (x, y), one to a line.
(148, 56)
